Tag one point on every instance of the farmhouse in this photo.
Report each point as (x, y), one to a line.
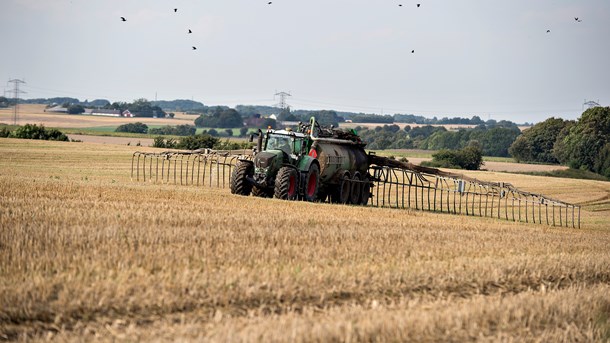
(56, 109)
(103, 112)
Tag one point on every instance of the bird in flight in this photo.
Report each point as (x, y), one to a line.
(418, 5)
(190, 31)
(399, 5)
(175, 10)
(269, 3)
(412, 51)
(578, 20)
(194, 48)
(548, 31)
(123, 19)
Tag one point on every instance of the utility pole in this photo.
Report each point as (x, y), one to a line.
(590, 104)
(282, 96)
(16, 93)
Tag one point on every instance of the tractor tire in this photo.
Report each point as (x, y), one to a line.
(239, 183)
(261, 192)
(341, 194)
(365, 192)
(356, 190)
(312, 183)
(286, 184)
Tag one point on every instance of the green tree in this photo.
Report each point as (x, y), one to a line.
(75, 109)
(536, 143)
(581, 144)
(136, 127)
(602, 163)
(220, 117)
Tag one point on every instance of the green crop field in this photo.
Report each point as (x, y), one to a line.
(87, 254)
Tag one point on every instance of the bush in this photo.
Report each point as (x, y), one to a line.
(5, 132)
(133, 128)
(470, 158)
(195, 142)
(30, 131)
(160, 142)
(228, 145)
(179, 130)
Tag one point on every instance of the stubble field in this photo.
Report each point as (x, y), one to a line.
(87, 254)
(35, 114)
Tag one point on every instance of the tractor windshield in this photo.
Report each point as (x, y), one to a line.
(280, 142)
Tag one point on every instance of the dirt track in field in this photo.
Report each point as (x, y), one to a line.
(504, 166)
(113, 140)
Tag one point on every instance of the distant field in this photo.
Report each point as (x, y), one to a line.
(34, 114)
(88, 255)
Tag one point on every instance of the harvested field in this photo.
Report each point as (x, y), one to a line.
(34, 114)
(86, 254)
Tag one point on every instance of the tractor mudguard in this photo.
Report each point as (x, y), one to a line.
(306, 162)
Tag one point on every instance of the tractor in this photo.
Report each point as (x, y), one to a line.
(313, 163)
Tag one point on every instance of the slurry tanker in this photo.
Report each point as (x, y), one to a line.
(311, 163)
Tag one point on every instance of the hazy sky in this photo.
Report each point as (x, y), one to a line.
(472, 57)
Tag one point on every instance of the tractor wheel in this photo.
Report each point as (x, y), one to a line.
(312, 183)
(356, 190)
(286, 184)
(261, 192)
(365, 191)
(239, 183)
(342, 192)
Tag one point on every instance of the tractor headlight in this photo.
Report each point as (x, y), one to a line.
(260, 170)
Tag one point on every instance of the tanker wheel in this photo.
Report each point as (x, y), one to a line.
(312, 183)
(356, 190)
(261, 192)
(342, 192)
(286, 186)
(365, 193)
(239, 183)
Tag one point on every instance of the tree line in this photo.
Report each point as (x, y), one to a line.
(493, 140)
(580, 144)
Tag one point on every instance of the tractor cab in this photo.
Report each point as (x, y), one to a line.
(289, 142)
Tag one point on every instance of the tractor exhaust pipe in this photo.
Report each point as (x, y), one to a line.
(259, 142)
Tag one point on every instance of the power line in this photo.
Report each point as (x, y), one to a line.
(16, 92)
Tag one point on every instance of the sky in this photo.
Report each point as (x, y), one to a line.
(494, 59)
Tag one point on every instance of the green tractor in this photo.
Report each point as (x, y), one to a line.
(310, 164)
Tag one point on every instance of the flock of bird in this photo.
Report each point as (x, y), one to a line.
(175, 11)
(577, 19)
